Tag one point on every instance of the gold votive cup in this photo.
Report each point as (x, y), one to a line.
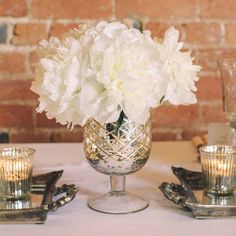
(15, 172)
(218, 169)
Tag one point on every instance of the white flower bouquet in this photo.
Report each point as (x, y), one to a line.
(109, 70)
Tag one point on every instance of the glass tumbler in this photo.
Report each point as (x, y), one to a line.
(218, 169)
(15, 172)
(228, 75)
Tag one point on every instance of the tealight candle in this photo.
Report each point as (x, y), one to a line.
(15, 172)
(218, 169)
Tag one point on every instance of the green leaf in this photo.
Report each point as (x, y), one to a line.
(162, 98)
(119, 121)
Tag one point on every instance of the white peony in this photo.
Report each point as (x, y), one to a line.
(58, 80)
(99, 71)
(178, 71)
(124, 69)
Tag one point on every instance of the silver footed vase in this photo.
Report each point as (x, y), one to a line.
(117, 153)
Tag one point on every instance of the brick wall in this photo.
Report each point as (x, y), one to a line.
(207, 26)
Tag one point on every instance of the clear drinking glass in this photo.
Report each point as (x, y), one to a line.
(228, 75)
(218, 169)
(15, 172)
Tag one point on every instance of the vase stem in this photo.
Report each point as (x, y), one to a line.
(117, 184)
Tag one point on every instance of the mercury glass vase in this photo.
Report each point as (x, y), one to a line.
(117, 153)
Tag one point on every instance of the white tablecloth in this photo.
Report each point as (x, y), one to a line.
(162, 217)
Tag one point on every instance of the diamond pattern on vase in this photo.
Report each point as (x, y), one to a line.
(117, 152)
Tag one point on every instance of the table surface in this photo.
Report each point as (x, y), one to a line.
(162, 217)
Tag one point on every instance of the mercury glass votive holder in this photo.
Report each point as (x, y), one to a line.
(15, 172)
(16, 204)
(218, 169)
(218, 200)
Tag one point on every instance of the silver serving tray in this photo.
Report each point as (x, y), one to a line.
(34, 209)
(189, 195)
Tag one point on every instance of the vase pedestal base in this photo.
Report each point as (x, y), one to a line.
(118, 202)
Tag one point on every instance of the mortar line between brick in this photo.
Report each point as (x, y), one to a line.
(19, 102)
(28, 2)
(27, 48)
(113, 5)
(198, 10)
(223, 33)
(28, 19)
(9, 33)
